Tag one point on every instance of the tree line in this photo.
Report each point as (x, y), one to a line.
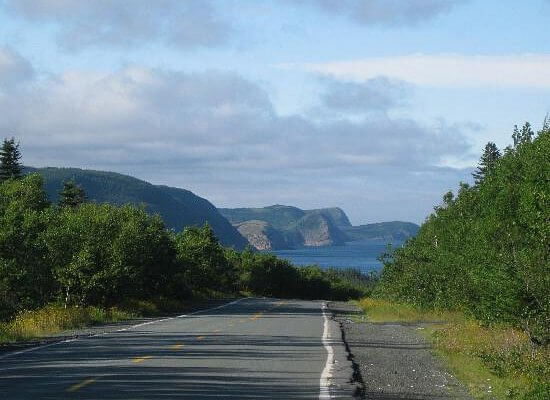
(486, 250)
(84, 253)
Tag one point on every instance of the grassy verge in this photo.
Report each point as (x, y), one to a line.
(494, 362)
(53, 318)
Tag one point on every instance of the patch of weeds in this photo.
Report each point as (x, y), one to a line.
(493, 361)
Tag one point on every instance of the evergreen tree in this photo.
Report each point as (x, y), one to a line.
(10, 168)
(72, 195)
(490, 155)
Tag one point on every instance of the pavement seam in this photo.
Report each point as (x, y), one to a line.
(356, 378)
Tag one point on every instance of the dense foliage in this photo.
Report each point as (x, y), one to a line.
(80, 254)
(486, 251)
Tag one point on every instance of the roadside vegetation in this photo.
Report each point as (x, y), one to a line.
(54, 318)
(480, 263)
(496, 361)
(76, 263)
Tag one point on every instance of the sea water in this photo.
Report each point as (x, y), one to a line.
(361, 255)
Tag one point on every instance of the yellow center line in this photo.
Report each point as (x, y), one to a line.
(177, 346)
(256, 316)
(200, 337)
(217, 330)
(80, 385)
(140, 359)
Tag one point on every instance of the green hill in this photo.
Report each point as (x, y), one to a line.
(278, 216)
(390, 231)
(309, 228)
(298, 227)
(178, 207)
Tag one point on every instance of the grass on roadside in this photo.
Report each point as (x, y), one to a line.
(53, 318)
(494, 362)
(378, 310)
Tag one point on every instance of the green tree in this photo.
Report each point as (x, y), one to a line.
(26, 280)
(525, 135)
(203, 259)
(10, 168)
(490, 155)
(488, 251)
(72, 195)
(102, 254)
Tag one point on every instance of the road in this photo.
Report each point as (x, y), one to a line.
(248, 349)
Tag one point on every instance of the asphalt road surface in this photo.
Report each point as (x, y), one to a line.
(248, 349)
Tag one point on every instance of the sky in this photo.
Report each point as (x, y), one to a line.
(375, 106)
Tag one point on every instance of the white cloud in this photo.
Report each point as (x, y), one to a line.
(218, 134)
(445, 70)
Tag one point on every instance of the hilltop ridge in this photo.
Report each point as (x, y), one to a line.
(280, 227)
(177, 207)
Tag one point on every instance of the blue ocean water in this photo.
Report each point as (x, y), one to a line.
(360, 255)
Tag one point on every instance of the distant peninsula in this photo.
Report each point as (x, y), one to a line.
(280, 227)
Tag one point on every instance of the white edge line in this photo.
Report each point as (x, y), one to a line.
(15, 353)
(326, 375)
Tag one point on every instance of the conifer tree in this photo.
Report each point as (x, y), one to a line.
(72, 195)
(491, 154)
(10, 168)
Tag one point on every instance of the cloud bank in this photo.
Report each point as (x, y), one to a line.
(451, 71)
(217, 133)
(126, 23)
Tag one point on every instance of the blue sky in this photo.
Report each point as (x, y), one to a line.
(376, 106)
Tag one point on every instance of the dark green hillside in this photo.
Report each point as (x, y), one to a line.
(390, 231)
(278, 216)
(178, 207)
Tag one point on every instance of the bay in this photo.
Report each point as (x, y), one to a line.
(361, 255)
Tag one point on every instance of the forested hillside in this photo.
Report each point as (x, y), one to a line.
(392, 231)
(177, 207)
(486, 249)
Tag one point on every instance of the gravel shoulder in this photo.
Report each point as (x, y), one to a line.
(393, 360)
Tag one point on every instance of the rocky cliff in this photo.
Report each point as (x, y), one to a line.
(262, 235)
(279, 227)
